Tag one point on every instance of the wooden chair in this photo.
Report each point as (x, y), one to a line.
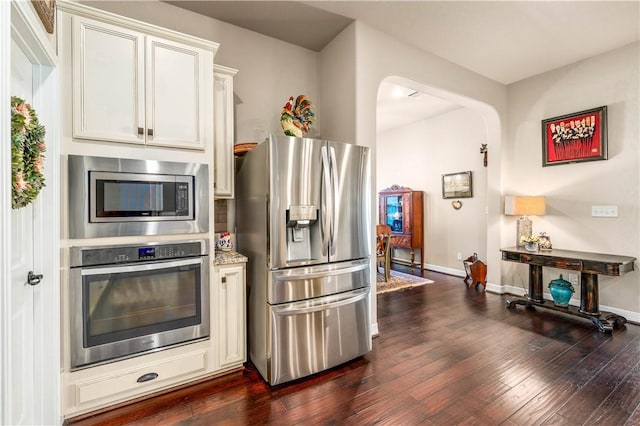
(383, 249)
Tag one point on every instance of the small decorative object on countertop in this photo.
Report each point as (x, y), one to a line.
(530, 242)
(297, 118)
(224, 242)
(561, 291)
(545, 241)
(228, 257)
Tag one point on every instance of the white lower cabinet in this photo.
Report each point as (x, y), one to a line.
(231, 314)
(98, 387)
(144, 377)
(109, 384)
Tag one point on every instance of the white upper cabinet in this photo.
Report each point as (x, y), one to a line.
(223, 184)
(176, 113)
(108, 92)
(129, 86)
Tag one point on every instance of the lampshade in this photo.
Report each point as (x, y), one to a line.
(521, 205)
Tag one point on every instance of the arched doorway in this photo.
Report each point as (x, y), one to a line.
(420, 137)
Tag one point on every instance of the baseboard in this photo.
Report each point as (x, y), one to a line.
(633, 317)
(445, 270)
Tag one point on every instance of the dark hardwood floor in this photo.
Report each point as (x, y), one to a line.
(446, 355)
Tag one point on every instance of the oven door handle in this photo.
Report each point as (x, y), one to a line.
(141, 267)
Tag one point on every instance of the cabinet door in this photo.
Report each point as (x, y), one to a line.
(176, 93)
(393, 213)
(231, 314)
(223, 183)
(108, 82)
(407, 226)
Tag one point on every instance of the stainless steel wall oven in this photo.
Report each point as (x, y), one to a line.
(112, 197)
(126, 300)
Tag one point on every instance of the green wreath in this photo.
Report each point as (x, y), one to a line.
(27, 158)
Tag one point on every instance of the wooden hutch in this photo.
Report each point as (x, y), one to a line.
(402, 209)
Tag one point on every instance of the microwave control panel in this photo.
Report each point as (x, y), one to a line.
(182, 199)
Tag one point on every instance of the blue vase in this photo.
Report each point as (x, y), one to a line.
(561, 291)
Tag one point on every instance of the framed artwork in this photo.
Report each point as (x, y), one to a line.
(574, 138)
(46, 10)
(457, 185)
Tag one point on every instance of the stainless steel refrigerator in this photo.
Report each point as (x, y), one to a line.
(302, 214)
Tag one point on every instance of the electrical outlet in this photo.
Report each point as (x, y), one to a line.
(604, 211)
(573, 279)
(459, 256)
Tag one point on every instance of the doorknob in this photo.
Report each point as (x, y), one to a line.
(33, 279)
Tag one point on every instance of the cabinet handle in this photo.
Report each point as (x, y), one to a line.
(147, 377)
(223, 280)
(140, 131)
(150, 132)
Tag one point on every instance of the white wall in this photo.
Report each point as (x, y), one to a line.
(417, 155)
(379, 56)
(337, 75)
(571, 189)
(270, 70)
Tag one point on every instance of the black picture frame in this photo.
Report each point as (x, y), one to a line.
(457, 185)
(575, 138)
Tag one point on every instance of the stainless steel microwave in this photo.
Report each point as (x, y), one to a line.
(113, 197)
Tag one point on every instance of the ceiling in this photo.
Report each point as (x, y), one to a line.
(290, 21)
(399, 106)
(505, 41)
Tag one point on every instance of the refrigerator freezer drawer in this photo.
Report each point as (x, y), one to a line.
(314, 335)
(290, 285)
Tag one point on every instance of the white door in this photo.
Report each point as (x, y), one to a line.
(22, 260)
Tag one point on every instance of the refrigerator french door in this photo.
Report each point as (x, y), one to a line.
(318, 201)
(303, 218)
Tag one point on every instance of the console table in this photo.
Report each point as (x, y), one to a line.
(590, 265)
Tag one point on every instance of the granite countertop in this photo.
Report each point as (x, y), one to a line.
(228, 257)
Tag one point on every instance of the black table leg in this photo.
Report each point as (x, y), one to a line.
(535, 284)
(535, 295)
(589, 303)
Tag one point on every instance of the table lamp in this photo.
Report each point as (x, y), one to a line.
(523, 206)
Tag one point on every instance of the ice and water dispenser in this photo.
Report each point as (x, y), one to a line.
(300, 222)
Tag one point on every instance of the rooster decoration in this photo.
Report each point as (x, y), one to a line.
(297, 118)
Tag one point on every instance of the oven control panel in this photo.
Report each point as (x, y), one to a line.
(108, 255)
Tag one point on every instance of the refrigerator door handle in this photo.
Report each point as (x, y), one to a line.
(334, 203)
(305, 307)
(326, 206)
(320, 274)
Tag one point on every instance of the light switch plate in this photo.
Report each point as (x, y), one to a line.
(604, 211)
